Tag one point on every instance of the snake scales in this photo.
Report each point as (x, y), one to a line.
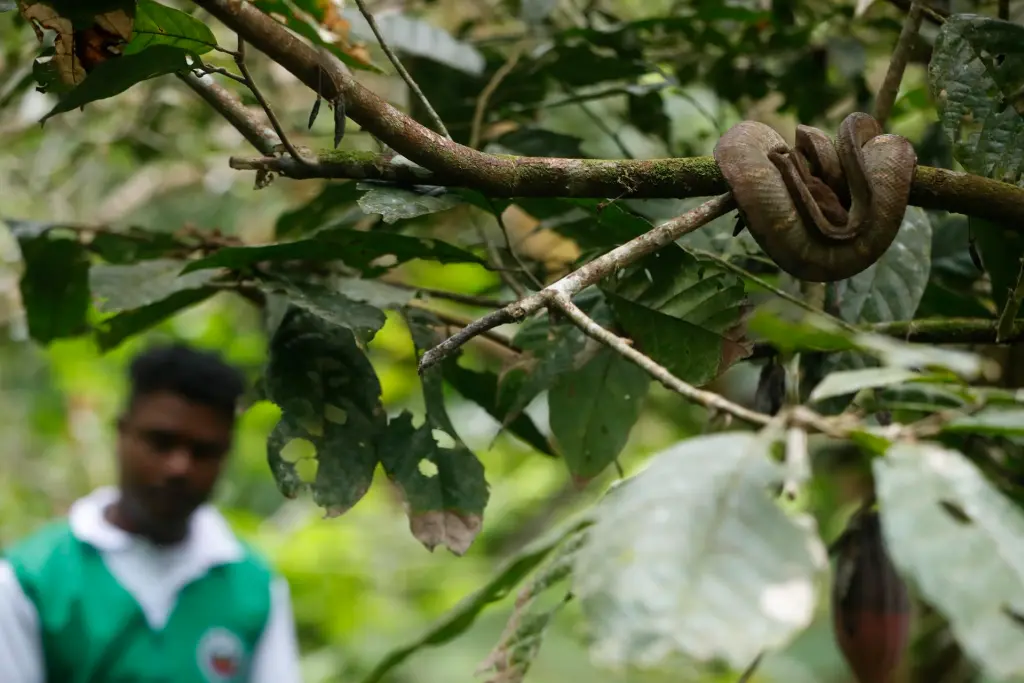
(822, 211)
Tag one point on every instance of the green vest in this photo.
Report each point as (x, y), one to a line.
(93, 630)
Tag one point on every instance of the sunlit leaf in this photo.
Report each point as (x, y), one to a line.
(955, 536)
(157, 24)
(852, 381)
(693, 558)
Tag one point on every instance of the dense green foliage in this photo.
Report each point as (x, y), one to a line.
(125, 224)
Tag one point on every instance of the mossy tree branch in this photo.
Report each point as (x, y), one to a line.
(445, 162)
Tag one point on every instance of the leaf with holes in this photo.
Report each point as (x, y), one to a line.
(332, 414)
(686, 314)
(444, 488)
(443, 483)
(958, 539)
(694, 557)
(374, 253)
(592, 410)
(976, 75)
(157, 24)
(54, 284)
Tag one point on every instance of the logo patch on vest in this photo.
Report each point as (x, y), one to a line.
(220, 654)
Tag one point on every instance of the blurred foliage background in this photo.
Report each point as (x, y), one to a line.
(156, 157)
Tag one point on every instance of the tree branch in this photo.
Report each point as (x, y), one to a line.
(575, 282)
(245, 121)
(451, 164)
(898, 63)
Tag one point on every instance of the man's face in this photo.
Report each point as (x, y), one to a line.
(170, 454)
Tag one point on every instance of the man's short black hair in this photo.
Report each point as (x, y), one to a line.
(198, 376)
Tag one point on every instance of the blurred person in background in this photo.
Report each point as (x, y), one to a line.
(146, 581)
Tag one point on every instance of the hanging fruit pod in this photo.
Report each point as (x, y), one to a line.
(870, 603)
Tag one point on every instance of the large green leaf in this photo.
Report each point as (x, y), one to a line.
(593, 409)
(373, 253)
(157, 24)
(113, 76)
(693, 557)
(955, 536)
(686, 314)
(55, 283)
(335, 198)
(976, 75)
(332, 414)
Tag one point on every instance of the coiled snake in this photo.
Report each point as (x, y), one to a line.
(822, 211)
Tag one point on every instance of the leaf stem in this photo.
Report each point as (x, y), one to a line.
(897, 65)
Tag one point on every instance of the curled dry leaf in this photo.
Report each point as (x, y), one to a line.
(76, 53)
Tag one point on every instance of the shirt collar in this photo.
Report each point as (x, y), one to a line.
(209, 539)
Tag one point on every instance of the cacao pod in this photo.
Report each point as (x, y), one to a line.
(870, 603)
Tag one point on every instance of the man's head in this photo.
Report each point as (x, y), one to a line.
(173, 438)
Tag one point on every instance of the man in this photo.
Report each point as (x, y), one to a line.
(146, 582)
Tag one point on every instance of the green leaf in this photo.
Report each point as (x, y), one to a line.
(417, 37)
(593, 409)
(976, 75)
(958, 539)
(458, 620)
(330, 305)
(373, 253)
(137, 244)
(142, 295)
(114, 76)
(395, 204)
(443, 483)
(892, 287)
(990, 422)
(157, 24)
(334, 198)
(482, 389)
(1000, 248)
(851, 381)
(685, 314)
(332, 414)
(54, 285)
(694, 557)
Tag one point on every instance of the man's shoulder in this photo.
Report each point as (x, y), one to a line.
(40, 544)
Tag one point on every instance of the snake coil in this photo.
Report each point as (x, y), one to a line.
(822, 211)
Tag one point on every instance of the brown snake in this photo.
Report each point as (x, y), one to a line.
(822, 211)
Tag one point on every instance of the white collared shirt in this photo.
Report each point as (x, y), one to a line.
(153, 576)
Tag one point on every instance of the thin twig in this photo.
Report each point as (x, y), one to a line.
(898, 64)
(600, 123)
(204, 68)
(499, 264)
(602, 266)
(237, 114)
(457, 297)
(485, 95)
(458, 321)
(750, 671)
(401, 69)
(508, 244)
(621, 346)
(249, 81)
(786, 296)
